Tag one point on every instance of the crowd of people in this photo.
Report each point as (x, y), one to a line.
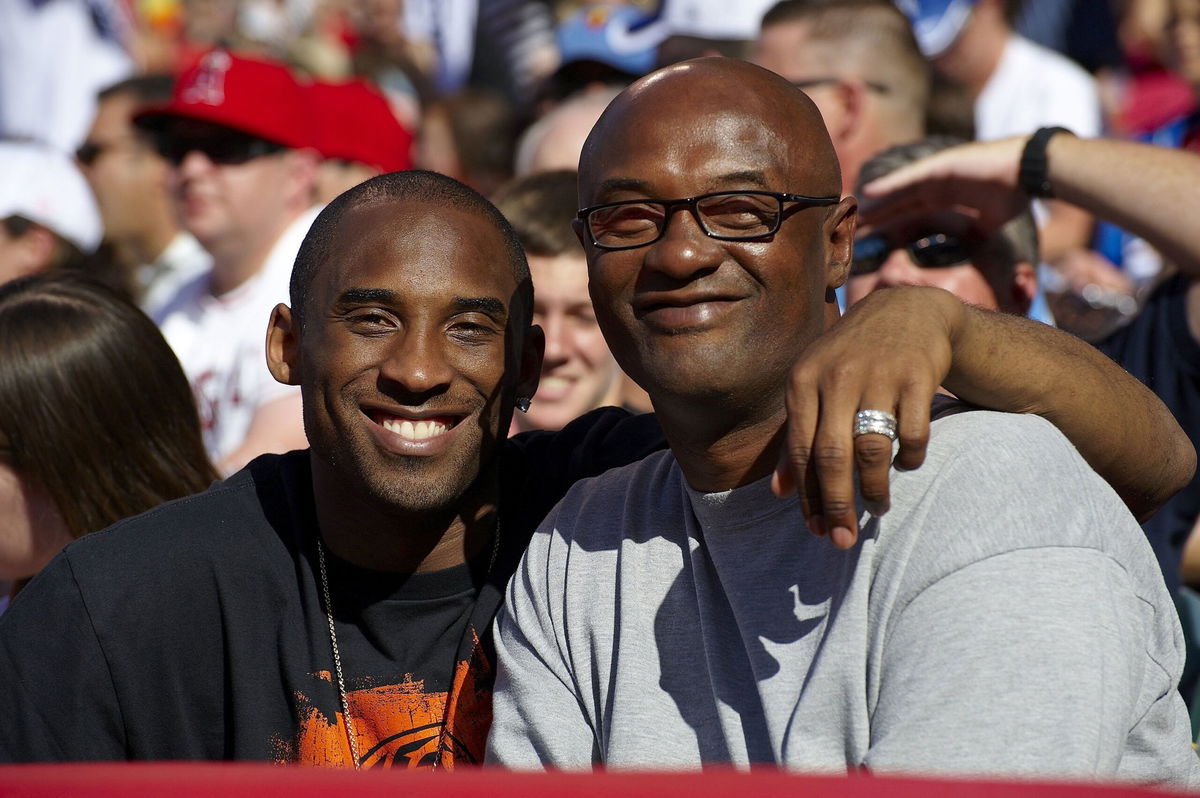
(425, 384)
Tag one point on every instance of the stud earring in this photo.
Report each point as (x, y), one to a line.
(523, 403)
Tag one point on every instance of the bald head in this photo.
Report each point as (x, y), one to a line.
(714, 96)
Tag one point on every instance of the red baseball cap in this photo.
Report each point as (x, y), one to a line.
(355, 123)
(249, 95)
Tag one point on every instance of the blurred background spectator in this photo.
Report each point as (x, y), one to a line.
(96, 418)
(238, 135)
(1016, 86)
(555, 140)
(470, 136)
(48, 218)
(152, 253)
(579, 373)
(995, 269)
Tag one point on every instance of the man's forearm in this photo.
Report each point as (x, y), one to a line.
(1119, 426)
(1143, 188)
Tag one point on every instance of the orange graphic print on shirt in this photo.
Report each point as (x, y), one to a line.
(400, 725)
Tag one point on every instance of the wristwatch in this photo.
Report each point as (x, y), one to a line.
(1033, 175)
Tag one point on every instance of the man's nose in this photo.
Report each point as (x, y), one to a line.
(194, 162)
(684, 247)
(418, 363)
(900, 269)
(554, 326)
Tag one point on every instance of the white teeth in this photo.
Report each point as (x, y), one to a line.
(419, 431)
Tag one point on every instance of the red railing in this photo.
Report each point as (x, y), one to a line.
(188, 780)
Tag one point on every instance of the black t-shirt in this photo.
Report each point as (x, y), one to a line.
(197, 630)
(1159, 350)
(399, 638)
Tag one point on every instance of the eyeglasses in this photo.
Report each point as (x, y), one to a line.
(227, 148)
(934, 251)
(812, 83)
(725, 215)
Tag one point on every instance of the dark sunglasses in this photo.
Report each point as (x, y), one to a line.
(934, 251)
(224, 148)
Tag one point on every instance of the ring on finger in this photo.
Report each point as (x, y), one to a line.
(879, 422)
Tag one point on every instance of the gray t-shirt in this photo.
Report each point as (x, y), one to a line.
(1006, 617)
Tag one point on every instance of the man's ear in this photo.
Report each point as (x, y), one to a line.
(839, 241)
(530, 368)
(283, 346)
(302, 175)
(1024, 286)
(850, 94)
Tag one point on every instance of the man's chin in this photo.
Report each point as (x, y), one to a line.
(416, 497)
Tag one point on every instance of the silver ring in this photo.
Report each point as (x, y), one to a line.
(879, 422)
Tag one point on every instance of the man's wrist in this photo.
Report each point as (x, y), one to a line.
(1033, 175)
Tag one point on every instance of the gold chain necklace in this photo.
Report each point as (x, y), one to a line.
(351, 737)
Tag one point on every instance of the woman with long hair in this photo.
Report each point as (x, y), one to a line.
(97, 422)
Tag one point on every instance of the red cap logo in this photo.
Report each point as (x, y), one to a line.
(207, 86)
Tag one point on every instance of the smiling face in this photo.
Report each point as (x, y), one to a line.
(692, 317)
(579, 373)
(407, 360)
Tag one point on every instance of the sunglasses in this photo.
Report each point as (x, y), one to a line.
(226, 148)
(934, 251)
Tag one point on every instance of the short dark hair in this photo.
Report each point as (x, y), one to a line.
(862, 32)
(541, 207)
(483, 128)
(414, 185)
(144, 88)
(94, 405)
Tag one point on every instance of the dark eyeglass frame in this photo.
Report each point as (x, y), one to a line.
(827, 80)
(224, 149)
(90, 151)
(691, 204)
(931, 251)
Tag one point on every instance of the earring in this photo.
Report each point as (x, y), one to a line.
(523, 403)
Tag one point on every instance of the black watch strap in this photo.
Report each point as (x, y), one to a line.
(1034, 176)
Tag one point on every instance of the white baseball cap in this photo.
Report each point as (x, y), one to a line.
(44, 185)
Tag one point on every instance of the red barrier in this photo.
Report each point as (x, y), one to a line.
(228, 780)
